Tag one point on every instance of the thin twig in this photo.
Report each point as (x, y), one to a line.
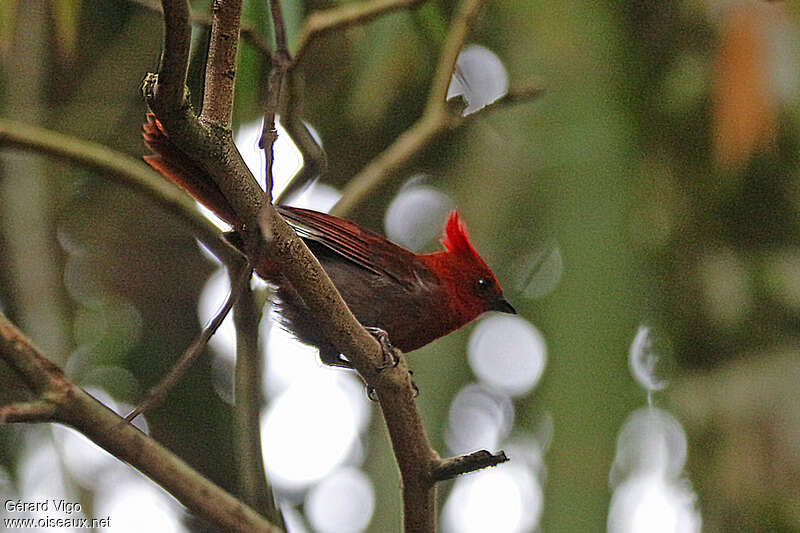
(185, 362)
(281, 45)
(467, 13)
(436, 119)
(275, 96)
(348, 14)
(269, 132)
(390, 162)
(74, 407)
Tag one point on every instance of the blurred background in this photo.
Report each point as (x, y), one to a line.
(641, 215)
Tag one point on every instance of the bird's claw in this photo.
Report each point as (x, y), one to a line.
(372, 394)
(390, 358)
(413, 383)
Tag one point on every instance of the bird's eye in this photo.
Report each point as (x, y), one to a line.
(483, 284)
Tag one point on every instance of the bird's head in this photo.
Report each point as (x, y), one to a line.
(469, 282)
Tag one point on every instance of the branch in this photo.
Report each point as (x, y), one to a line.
(445, 469)
(462, 22)
(185, 362)
(221, 65)
(391, 161)
(438, 118)
(275, 82)
(209, 142)
(34, 411)
(59, 400)
(175, 57)
(349, 14)
(253, 484)
(129, 171)
(393, 386)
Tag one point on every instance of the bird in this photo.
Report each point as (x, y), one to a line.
(412, 299)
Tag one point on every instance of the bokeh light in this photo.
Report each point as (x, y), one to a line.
(342, 503)
(288, 159)
(507, 499)
(642, 361)
(507, 353)
(137, 505)
(415, 216)
(538, 273)
(309, 430)
(479, 419)
(653, 504)
(650, 441)
(651, 494)
(480, 78)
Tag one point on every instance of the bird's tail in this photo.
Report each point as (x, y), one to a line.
(180, 169)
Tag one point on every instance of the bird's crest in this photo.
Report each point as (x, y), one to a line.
(455, 238)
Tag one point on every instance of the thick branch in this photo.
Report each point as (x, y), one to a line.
(221, 66)
(74, 407)
(129, 171)
(414, 454)
(415, 457)
(209, 142)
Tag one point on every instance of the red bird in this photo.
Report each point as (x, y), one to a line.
(415, 298)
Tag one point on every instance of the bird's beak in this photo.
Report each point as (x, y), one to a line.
(504, 306)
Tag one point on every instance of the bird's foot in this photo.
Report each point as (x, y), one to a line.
(413, 384)
(390, 358)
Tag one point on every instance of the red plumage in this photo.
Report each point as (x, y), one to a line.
(415, 298)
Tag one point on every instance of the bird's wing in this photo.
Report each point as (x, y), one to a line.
(361, 246)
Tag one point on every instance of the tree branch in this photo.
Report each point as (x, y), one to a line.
(445, 469)
(175, 57)
(349, 14)
(221, 65)
(195, 350)
(253, 484)
(34, 411)
(59, 400)
(436, 119)
(128, 171)
(208, 142)
(415, 457)
(467, 13)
